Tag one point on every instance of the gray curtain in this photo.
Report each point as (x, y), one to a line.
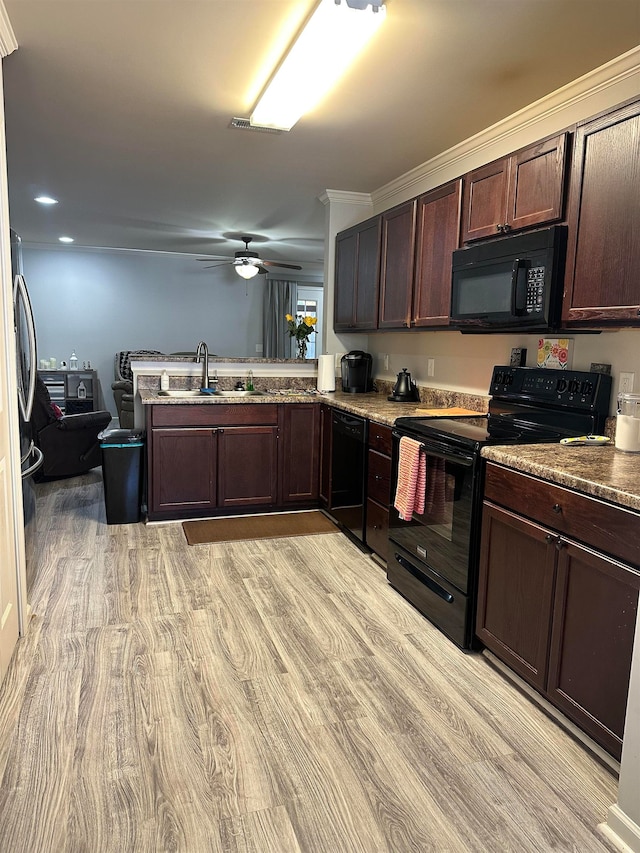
(278, 302)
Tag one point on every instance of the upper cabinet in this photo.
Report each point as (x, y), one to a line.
(523, 190)
(437, 233)
(396, 266)
(602, 284)
(357, 277)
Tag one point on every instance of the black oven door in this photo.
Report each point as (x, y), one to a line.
(441, 536)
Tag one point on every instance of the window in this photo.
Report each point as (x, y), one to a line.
(309, 302)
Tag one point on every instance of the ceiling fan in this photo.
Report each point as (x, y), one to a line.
(247, 263)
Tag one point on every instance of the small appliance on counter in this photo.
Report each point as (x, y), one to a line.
(404, 391)
(356, 368)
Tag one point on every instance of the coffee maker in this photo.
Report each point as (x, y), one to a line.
(356, 368)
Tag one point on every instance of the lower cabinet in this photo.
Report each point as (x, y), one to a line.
(559, 612)
(300, 451)
(212, 459)
(378, 488)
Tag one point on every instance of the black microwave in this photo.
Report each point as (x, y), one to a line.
(512, 283)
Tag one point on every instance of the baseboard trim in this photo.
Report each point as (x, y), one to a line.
(621, 831)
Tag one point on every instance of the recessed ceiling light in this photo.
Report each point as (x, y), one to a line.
(45, 199)
(66, 239)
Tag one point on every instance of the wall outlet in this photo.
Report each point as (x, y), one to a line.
(259, 348)
(431, 367)
(627, 381)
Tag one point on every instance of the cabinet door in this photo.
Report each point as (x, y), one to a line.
(536, 184)
(592, 642)
(367, 276)
(357, 277)
(247, 466)
(183, 470)
(377, 529)
(396, 266)
(437, 236)
(485, 201)
(299, 453)
(345, 280)
(325, 455)
(515, 592)
(602, 282)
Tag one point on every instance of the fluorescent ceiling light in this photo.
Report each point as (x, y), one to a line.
(45, 199)
(331, 39)
(66, 239)
(246, 270)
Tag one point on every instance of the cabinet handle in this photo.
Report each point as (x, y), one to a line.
(549, 538)
(557, 508)
(220, 431)
(560, 544)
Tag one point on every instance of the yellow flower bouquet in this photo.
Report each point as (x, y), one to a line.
(300, 328)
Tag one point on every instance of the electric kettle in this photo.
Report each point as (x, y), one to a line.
(404, 391)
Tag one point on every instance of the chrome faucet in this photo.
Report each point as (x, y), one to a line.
(202, 352)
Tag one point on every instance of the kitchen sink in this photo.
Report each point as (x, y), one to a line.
(181, 393)
(239, 394)
(199, 393)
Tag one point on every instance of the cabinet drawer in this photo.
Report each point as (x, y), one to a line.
(380, 438)
(608, 528)
(377, 530)
(215, 414)
(379, 479)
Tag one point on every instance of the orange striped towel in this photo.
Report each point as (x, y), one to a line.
(412, 475)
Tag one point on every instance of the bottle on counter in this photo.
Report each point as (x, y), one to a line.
(73, 361)
(82, 391)
(249, 383)
(164, 381)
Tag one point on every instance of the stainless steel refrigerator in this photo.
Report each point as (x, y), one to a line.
(31, 457)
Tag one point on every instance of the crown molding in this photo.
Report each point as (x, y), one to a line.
(345, 197)
(610, 74)
(8, 41)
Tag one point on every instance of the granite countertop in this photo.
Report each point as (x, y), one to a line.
(597, 470)
(372, 405)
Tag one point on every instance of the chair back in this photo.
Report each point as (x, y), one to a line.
(122, 367)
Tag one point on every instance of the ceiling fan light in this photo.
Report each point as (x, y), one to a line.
(246, 270)
(324, 49)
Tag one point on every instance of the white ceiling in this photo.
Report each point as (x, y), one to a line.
(121, 110)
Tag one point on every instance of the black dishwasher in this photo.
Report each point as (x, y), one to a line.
(348, 471)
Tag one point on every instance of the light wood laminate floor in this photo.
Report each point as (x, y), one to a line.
(263, 696)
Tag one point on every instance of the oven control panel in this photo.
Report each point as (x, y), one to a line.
(573, 389)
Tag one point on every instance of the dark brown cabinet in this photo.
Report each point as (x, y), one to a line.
(397, 265)
(204, 459)
(182, 471)
(247, 466)
(325, 455)
(561, 612)
(357, 277)
(300, 448)
(523, 190)
(378, 488)
(602, 285)
(437, 235)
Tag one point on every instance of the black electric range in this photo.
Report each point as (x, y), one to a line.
(433, 555)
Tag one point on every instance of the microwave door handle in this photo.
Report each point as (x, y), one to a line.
(519, 286)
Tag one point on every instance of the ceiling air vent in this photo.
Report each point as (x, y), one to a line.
(245, 124)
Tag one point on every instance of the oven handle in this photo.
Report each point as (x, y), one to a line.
(435, 450)
(440, 591)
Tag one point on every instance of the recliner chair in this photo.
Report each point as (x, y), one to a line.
(123, 386)
(69, 443)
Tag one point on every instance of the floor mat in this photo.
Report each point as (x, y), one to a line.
(257, 527)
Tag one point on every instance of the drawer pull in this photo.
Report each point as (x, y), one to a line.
(557, 508)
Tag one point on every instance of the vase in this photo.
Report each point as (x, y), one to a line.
(302, 348)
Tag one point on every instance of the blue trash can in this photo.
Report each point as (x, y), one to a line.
(122, 474)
